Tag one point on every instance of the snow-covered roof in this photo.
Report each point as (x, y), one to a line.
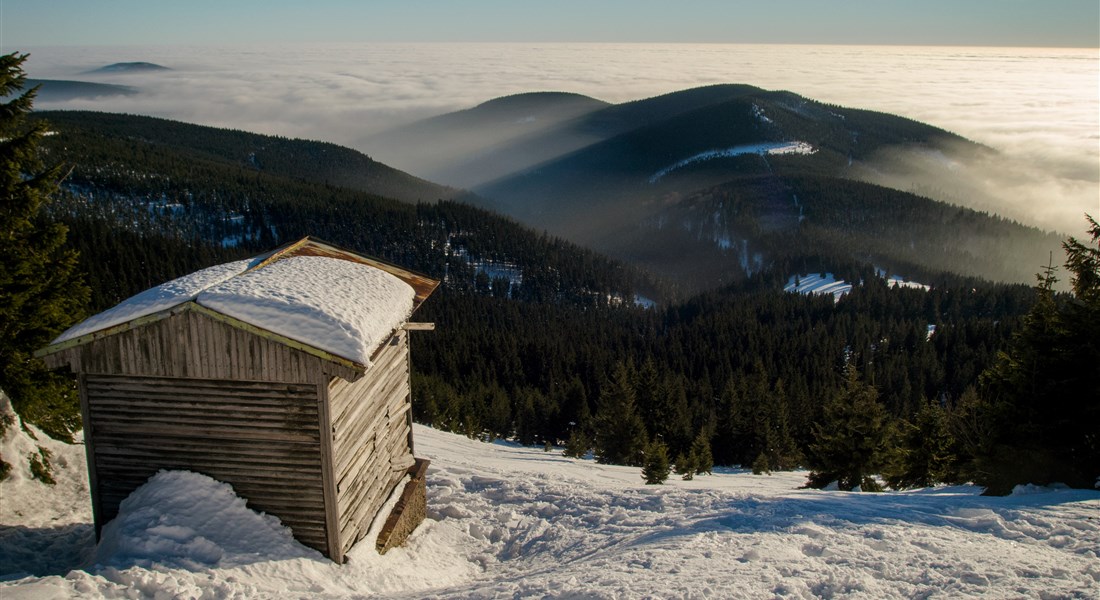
(334, 300)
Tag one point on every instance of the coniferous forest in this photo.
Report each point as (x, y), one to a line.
(548, 343)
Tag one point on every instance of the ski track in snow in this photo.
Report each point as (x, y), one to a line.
(509, 521)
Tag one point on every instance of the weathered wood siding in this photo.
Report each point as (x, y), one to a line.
(262, 438)
(371, 433)
(193, 345)
(315, 443)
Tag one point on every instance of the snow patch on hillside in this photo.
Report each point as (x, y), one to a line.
(827, 283)
(763, 148)
(759, 114)
(818, 283)
(899, 281)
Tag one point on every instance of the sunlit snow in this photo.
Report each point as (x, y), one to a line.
(827, 283)
(818, 283)
(338, 306)
(506, 521)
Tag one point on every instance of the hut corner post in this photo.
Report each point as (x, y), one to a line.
(328, 476)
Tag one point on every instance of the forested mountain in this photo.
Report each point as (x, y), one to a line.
(166, 146)
(228, 189)
(537, 335)
(708, 185)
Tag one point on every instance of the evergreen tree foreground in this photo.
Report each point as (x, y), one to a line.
(850, 438)
(656, 468)
(1041, 398)
(41, 292)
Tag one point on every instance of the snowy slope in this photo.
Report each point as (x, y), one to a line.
(506, 521)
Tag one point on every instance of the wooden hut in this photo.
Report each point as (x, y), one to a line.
(286, 376)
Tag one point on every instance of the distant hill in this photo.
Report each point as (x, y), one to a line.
(61, 90)
(476, 145)
(710, 185)
(129, 67)
(312, 161)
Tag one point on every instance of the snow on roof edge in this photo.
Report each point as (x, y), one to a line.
(322, 323)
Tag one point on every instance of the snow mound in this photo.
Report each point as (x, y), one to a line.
(185, 520)
(763, 148)
(342, 307)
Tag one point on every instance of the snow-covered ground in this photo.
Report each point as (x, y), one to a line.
(506, 521)
(827, 283)
(818, 283)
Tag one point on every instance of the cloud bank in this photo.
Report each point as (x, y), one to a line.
(1037, 107)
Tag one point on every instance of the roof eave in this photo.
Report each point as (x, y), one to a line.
(191, 305)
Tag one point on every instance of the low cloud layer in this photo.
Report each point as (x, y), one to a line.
(1038, 107)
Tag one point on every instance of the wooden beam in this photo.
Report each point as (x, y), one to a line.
(418, 327)
(328, 476)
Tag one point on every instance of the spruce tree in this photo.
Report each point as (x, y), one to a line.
(685, 466)
(1042, 393)
(761, 466)
(620, 433)
(850, 437)
(577, 445)
(656, 468)
(701, 455)
(922, 454)
(498, 420)
(40, 291)
(775, 440)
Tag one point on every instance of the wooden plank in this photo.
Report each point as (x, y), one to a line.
(332, 507)
(221, 433)
(212, 411)
(162, 385)
(285, 453)
(390, 386)
(366, 387)
(354, 465)
(362, 509)
(366, 508)
(225, 419)
(90, 457)
(353, 491)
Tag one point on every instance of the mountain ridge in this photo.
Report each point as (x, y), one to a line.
(641, 159)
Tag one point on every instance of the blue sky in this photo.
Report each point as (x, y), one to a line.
(30, 23)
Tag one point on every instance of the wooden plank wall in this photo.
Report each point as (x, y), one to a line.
(190, 344)
(371, 435)
(260, 437)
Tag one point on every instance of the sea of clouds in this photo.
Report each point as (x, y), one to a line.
(1040, 108)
